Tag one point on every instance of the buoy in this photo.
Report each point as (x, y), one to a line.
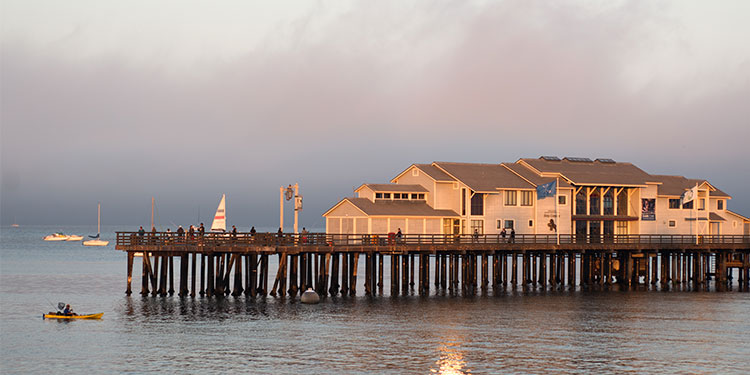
(309, 296)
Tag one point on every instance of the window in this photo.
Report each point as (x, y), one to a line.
(413, 196)
(622, 202)
(386, 195)
(608, 202)
(702, 204)
(405, 196)
(531, 223)
(415, 172)
(527, 198)
(477, 205)
(672, 223)
(594, 202)
(463, 202)
(378, 195)
(622, 227)
(451, 226)
(581, 203)
(674, 203)
(688, 205)
(499, 224)
(420, 196)
(510, 198)
(396, 195)
(720, 204)
(509, 224)
(561, 200)
(477, 225)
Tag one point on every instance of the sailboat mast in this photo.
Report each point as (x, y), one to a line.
(152, 212)
(98, 219)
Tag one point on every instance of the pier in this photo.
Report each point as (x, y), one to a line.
(219, 264)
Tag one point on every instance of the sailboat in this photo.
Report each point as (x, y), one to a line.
(220, 218)
(96, 241)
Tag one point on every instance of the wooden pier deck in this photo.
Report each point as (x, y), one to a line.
(239, 264)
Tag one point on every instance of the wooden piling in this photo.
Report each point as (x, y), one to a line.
(128, 290)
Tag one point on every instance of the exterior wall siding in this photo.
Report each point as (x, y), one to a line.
(421, 179)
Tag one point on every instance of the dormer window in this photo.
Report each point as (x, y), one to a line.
(386, 195)
(378, 195)
(396, 195)
(720, 204)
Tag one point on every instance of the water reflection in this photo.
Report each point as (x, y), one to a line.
(451, 361)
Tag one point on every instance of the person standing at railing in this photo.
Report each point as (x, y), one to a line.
(234, 233)
(252, 234)
(502, 234)
(398, 236)
(180, 234)
(191, 232)
(304, 235)
(279, 236)
(153, 235)
(512, 235)
(141, 233)
(168, 236)
(475, 236)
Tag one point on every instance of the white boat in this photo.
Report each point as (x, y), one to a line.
(56, 237)
(220, 218)
(96, 241)
(73, 237)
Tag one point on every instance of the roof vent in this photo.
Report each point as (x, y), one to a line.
(578, 160)
(550, 158)
(607, 161)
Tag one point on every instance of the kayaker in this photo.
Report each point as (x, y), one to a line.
(68, 310)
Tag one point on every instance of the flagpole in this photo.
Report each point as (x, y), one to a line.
(695, 212)
(557, 200)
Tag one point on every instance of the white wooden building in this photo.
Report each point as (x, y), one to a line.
(593, 197)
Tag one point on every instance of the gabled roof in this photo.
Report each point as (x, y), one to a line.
(592, 172)
(484, 177)
(430, 170)
(394, 208)
(532, 177)
(676, 185)
(743, 218)
(394, 188)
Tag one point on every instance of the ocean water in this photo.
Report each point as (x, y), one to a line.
(509, 331)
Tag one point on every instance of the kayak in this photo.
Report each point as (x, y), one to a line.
(52, 315)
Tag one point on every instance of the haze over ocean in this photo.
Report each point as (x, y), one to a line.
(184, 101)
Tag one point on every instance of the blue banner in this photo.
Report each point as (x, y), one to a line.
(547, 190)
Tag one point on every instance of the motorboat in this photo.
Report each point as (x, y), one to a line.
(56, 237)
(73, 237)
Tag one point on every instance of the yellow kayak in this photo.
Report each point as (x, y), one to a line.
(82, 316)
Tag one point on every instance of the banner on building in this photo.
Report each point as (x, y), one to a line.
(648, 209)
(547, 190)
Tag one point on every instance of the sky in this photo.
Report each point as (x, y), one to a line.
(120, 101)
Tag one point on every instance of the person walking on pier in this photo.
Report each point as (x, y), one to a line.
(252, 233)
(234, 233)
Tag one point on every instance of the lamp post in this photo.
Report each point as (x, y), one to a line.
(290, 192)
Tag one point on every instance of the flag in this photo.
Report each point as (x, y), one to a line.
(689, 195)
(547, 190)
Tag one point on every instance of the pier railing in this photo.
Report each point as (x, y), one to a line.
(127, 239)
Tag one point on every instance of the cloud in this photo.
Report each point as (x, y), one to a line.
(357, 98)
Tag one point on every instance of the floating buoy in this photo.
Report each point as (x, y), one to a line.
(309, 296)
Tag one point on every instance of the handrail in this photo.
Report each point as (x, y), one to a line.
(392, 239)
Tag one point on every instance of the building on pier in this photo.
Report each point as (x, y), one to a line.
(594, 197)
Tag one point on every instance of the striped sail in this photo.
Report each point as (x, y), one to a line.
(220, 218)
